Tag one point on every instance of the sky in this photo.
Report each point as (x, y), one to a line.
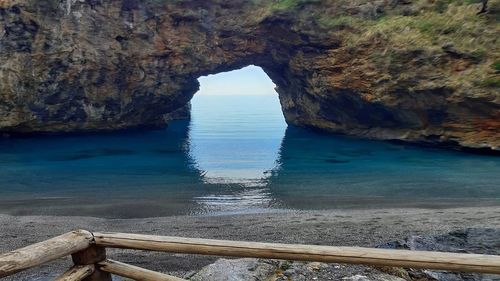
(250, 80)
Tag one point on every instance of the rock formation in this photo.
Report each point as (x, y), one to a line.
(248, 269)
(471, 240)
(422, 71)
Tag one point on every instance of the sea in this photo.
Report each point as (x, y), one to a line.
(236, 155)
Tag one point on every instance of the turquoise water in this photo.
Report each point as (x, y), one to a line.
(236, 155)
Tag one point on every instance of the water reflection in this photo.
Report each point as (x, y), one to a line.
(240, 201)
(235, 141)
(322, 171)
(160, 173)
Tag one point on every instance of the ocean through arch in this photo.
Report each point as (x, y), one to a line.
(237, 127)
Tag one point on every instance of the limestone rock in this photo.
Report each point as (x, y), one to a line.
(472, 240)
(237, 270)
(374, 277)
(270, 270)
(365, 68)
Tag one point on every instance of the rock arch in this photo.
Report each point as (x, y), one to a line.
(113, 64)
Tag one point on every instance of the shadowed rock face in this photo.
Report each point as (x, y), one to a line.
(81, 65)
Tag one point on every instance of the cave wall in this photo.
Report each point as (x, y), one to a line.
(90, 65)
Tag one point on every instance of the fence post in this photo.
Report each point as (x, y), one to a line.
(92, 255)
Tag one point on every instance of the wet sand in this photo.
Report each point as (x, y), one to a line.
(339, 227)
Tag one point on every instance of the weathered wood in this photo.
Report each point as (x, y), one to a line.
(77, 273)
(92, 255)
(134, 272)
(354, 255)
(44, 252)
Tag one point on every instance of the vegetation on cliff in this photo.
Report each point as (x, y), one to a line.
(432, 25)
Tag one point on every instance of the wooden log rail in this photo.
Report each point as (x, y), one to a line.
(90, 263)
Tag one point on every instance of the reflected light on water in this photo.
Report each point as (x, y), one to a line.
(234, 140)
(190, 168)
(228, 153)
(249, 199)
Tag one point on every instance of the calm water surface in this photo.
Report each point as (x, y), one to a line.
(236, 155)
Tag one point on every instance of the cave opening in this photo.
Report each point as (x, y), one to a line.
(236, 127)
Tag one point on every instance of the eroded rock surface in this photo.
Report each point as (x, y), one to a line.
(471, 240)
(414, 70)
(271, 270)
(237, 270)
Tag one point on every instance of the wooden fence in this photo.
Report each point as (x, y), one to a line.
(90, 263)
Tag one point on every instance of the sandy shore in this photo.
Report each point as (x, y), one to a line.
(340, 227)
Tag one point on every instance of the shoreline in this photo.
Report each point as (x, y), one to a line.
(366, 228)
(146, 208)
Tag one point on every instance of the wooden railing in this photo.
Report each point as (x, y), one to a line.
(90, 263)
